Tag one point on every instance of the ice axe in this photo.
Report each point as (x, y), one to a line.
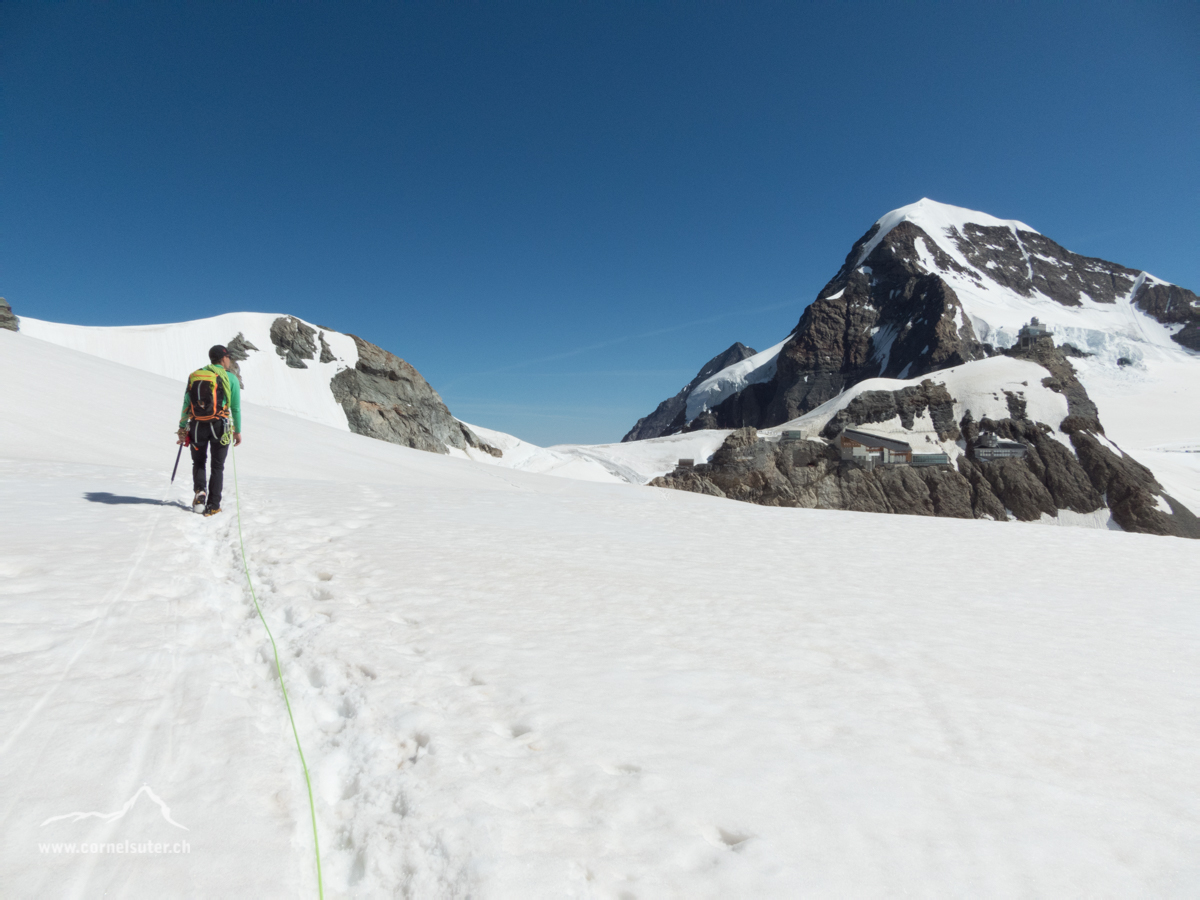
(182, 444)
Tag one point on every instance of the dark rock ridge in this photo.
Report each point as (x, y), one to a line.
(810, 474)
(386, 398)
(887, 315)
(7, 320)
(294, 341)
(663, 419)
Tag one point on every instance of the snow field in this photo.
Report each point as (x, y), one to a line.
(117, 671)
(516, 686)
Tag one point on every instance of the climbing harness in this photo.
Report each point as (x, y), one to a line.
(279, 670)
(225, 438)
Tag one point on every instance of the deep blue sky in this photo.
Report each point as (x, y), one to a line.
(558, 211)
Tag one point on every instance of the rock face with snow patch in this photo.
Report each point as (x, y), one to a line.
(386, 398)
(906, 403)
(663, 419)
(1172, 306)
(1134, 495)
(7, 320)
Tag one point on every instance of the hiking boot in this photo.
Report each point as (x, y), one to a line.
(198, 502)
(211, 510)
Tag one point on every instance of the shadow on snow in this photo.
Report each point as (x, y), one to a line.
(117, 499)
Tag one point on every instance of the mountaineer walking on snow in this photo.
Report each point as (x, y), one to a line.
(213, 398)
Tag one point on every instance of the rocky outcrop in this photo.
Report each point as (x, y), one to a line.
(386, 398)
(294, 341)
(1172, 305)
(1048, 479)
(8, 321)
(240, 348)
(984, 503)
(666, 418)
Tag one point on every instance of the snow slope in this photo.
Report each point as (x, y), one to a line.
(635, 462)
(176, 349)
(516, 686)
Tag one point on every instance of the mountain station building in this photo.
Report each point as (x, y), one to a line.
(989, 447)
(1032, 334)
(864, 447)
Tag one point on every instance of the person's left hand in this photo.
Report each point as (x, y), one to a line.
(237, 438)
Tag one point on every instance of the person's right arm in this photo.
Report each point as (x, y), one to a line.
(183, 417)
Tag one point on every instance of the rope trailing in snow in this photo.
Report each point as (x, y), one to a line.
(279, 669)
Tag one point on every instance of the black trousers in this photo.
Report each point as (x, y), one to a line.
(206, 442)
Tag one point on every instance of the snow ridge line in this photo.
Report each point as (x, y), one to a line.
(282, 686)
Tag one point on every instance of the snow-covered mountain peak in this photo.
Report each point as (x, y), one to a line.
(938, 220)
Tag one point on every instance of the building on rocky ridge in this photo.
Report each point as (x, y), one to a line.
(1032, 334)
(872, 449)
(920, 460)
(989, 447)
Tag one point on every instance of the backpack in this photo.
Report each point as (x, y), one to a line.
(208, 395)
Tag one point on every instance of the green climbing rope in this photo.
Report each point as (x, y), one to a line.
(279, 669)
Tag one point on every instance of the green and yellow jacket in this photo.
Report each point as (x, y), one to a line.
(233, 390)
